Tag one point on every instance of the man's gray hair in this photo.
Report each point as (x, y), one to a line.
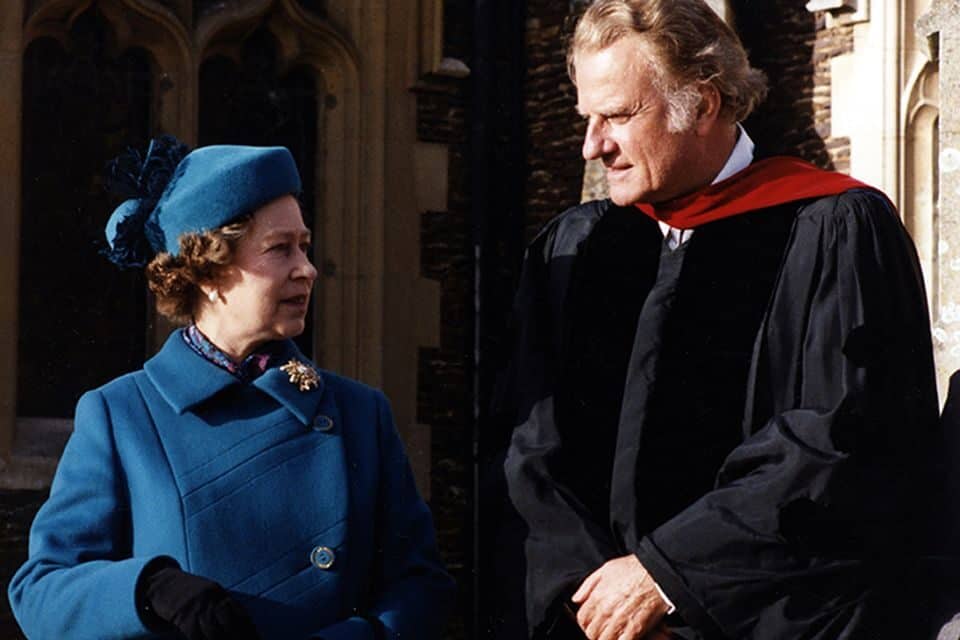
(690, 44)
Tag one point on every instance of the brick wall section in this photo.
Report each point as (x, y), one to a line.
(830, 42)
(794, 47)
(444, 399)
(554, 130)
(440, 111)
(780, 36)
(535, 172)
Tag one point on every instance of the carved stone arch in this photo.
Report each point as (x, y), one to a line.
(148, 25)
(920, 176)
(296, 30)
(349, 301)
(222, 31)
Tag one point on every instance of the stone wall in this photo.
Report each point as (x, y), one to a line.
(443, 375)
(793, 47)
(554, 130)
(512, 132)
(830, 42)
(444, 399)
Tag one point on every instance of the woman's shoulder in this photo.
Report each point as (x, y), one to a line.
(120, 388)
(119, 401)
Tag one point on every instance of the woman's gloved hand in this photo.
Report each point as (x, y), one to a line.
(198, 608)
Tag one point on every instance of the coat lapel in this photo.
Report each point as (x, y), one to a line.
(185, 379)
(283, 388)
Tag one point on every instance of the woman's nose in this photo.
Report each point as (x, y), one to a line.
(305, 268)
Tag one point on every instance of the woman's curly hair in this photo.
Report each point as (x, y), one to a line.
(203, 257)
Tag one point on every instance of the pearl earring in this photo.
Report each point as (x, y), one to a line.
(213, 295)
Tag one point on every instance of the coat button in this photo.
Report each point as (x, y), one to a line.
(323, 424)
(322, 557)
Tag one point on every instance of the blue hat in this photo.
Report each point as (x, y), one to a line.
(172, 192)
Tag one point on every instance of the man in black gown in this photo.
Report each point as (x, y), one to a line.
(723, 385)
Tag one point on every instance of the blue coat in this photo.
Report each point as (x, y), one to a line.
(258, 486)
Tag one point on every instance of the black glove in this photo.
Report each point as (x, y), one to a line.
(198, 608)
(380, 631)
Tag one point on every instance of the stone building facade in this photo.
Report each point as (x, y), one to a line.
(438, 136)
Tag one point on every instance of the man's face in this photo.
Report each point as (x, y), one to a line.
(627, 125)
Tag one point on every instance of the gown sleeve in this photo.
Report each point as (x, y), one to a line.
(79, 580)
(563, 543)
(413, 593)
(807, 530)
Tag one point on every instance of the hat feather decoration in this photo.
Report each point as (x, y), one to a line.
(171, 193)
(132, 234)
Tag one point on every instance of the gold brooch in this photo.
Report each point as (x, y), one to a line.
(301, 375)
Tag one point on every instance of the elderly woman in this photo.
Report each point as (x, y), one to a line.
(230, 489)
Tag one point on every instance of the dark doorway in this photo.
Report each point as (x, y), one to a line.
(81, 320)
(251, 100)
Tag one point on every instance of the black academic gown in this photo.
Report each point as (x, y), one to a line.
(947, 523)
(760, 446)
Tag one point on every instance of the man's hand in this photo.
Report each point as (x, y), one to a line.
(619, 601)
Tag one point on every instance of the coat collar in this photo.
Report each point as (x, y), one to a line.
(185, 379)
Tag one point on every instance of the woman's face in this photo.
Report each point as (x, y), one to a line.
(265, 293)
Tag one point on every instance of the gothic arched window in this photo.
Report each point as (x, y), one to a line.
(81, 321)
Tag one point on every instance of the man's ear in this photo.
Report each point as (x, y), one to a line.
(708, 111)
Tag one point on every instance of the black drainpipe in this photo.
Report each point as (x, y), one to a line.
(498, 179)
(482, 86)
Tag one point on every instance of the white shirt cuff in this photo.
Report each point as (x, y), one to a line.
(670, 606)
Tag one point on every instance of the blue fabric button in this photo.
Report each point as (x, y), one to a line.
(323, 423)
(322, 557)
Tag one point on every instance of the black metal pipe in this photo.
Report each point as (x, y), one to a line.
(498, 179)
(482, 86)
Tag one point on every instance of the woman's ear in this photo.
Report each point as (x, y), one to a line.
(210, 292)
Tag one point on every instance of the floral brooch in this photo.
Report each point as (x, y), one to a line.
(301, 374)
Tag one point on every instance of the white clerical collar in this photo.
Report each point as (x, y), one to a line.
(738, 160)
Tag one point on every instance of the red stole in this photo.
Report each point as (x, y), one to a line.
(763, 184)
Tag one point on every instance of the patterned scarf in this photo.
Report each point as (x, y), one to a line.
(250, 369)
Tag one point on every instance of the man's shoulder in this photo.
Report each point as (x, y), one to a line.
(561, 235)
(857, 221)
(855, 205)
